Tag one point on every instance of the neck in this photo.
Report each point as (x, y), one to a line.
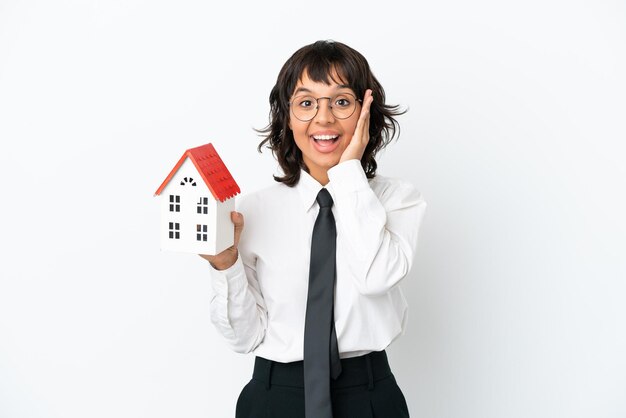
(320, 175)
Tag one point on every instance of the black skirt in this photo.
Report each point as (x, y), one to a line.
(366, 388)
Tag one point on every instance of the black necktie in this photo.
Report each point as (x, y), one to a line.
(321, 354)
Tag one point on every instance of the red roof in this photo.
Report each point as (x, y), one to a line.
(212, 169)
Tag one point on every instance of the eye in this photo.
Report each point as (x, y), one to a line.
(343, 101)
(304, 102)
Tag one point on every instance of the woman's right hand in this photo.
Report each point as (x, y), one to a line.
(227, 258)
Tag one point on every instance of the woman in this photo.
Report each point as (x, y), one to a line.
(310, 285)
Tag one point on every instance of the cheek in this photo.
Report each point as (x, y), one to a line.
(298, 132)
(349, 129)
(299, 135)
(299, 128)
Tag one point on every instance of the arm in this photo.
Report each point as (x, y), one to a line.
(378, 235)
(237, 308)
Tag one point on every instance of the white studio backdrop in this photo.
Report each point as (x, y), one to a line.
(515, 136)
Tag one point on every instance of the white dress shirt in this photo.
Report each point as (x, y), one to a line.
(259, 303)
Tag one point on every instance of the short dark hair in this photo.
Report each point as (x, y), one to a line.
(321, 60)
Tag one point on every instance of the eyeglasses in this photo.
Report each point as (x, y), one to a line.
(305, 107)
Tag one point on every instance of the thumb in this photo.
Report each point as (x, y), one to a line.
(237, 219)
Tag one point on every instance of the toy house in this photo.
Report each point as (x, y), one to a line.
(196, 200)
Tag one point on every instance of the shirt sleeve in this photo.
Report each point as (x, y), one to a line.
(379, 234)
(238, 310)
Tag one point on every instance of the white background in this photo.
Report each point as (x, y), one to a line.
(515, 136)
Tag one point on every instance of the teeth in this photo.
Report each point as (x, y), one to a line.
(325, 137)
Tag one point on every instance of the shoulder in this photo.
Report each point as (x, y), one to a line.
(264, 198)
(393, 191)
(390, 183)
(265, 210)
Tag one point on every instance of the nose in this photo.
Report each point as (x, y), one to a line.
(324, 112)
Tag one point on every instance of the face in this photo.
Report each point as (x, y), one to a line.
(312, 138)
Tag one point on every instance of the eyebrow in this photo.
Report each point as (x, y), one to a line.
(305, 90)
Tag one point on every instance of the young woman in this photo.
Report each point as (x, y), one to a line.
(310, 285)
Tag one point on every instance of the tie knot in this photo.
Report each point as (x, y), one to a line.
(324, 199)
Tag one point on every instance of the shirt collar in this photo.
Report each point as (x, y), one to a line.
(308, 188)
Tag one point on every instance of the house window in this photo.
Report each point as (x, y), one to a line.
(174, 230)
(203, 205)
(186, 181)
(174, 203)
(201, 232)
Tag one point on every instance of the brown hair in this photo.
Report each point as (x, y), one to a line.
(320, 61)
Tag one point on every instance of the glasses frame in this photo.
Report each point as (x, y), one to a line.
(317, 106)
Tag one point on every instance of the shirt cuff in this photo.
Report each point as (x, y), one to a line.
(348, 176)
(230, 280)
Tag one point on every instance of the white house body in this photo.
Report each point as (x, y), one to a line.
(192, 220)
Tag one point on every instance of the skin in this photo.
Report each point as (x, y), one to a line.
(353, 138)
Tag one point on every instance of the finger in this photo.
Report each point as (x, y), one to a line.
(207, 257)
(363, 122)
(368, 99)
(366, 103)
(237, 219)
(364, 119)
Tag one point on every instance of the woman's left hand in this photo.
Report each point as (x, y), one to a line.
(361, 136)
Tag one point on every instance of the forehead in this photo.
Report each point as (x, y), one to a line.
(332, 81)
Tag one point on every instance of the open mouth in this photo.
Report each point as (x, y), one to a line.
(325, 139)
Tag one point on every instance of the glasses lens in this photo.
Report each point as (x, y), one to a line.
(304, 107)
(343, 105)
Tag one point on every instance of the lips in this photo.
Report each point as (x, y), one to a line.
(325, 142)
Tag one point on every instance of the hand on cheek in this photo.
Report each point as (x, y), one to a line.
(361, 136)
